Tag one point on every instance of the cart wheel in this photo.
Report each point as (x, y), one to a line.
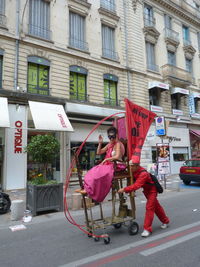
(89, 234)
(106, 240)
(133, 228)
(117, 225)
(96, 239)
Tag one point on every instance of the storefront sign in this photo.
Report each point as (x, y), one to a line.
(15, 158)
(172, 138)
(158, 85)
(195, 115)
(177, 112)
(191, 104)
(156, 108)
(18, 137)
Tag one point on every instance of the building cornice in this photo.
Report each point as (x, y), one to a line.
(177, 9)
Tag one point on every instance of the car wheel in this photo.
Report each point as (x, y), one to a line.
(186, 182)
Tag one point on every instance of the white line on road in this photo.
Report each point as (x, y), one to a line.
(128, 246)
(170, 244)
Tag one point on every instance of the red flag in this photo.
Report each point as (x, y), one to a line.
(138, 120)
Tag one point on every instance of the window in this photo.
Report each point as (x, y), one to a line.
(39, 18)
(154, 96)
(196, 104)
(108, 42)
(171, 58)
(77, 31)
(38, 76)
(168, 22)
(110, 90)
(150, 51)
(78, 89)
(148, 16)
(2, 13)
(1, 70)
(188, 63)
(186, 35)
(198, 39)
(176, 101)
(108, 4)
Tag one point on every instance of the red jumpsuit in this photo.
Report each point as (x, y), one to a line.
(150, 192)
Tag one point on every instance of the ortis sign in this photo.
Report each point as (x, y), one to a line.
(18, 137)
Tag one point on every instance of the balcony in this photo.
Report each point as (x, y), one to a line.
(108, 5)
(177, 76)
(108, 53)
(78, 44)
(40, 32)
(3, 20)
(172, 36)
(149, 22)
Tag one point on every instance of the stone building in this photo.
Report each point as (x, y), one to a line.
(86, 56)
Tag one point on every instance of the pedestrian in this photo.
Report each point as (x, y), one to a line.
(143, 180)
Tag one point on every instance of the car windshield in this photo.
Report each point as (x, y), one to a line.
(192, 163)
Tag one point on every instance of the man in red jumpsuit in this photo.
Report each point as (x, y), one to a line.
(143, 179)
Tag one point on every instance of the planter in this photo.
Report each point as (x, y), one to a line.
(44, 198)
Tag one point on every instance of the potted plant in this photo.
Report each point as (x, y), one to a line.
(43, 194)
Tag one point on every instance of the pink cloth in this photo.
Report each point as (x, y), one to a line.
(98, 180)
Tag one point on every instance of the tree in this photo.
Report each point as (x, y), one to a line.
(43, 149)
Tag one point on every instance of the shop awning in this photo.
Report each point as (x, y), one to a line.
(4, 115)
(178, 90)
(196, 95)
(49, 117)
(160, 85)
(195, 132)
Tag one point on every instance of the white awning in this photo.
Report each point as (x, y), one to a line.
(4, 115)
(49, 117)
(179, 90)
(160, 85)
(196, 95)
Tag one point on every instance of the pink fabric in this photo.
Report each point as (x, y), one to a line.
(98, 180)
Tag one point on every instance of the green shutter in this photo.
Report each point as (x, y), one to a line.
(106, 92)
(73, 85)
(81, 87)
(32, 78)
(113, 93)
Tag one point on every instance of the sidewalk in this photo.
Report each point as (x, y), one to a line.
(172, 184)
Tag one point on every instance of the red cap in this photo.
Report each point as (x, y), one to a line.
(134, 160)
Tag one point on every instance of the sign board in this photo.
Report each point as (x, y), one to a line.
(163, 158)
(160, 126)
(191, 104)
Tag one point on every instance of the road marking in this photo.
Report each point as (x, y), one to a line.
(170, 244)
(131, 248)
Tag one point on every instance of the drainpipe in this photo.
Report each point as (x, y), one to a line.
(126, 46)
(17, 44)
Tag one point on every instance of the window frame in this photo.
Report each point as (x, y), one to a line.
(111, 79)
(154, 96)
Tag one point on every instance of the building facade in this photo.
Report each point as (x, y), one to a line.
(87, 56)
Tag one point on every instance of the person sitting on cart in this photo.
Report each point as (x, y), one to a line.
(143, 179)
(98, 180)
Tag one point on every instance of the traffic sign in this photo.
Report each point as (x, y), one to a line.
(160, 126)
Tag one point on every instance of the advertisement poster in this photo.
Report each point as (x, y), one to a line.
(163, 158)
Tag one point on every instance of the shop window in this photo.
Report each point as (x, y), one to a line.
(110, 90)
(38, 76)
(154, 155)
(78, 88)
(180, 156)
(154, 96)
(176, 101)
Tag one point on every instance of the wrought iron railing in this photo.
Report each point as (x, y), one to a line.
(173, 72)
(110, 54)
(111, 102)
(109, 5)
(79, 97)
(186, 42)
(34, 89)
(79, 44)
(40, 32)
(149, 21)
(152, 67)
(171, 34)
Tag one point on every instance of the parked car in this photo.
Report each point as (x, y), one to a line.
(190, 171)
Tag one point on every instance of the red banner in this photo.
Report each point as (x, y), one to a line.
(138, 120)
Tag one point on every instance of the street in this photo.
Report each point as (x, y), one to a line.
(50, 240)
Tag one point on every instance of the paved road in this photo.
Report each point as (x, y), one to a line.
(51, 241)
